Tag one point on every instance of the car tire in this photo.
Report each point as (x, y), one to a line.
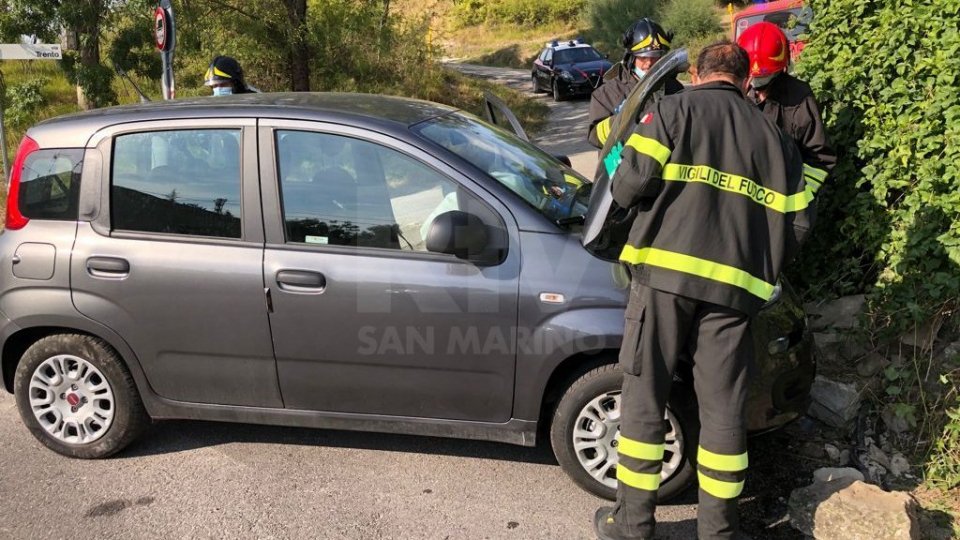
(534, 84)
(63, 371)
(557, 95)
(602, 383)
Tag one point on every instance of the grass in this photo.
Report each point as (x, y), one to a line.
(503, 45)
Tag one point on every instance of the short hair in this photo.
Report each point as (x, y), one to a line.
(723, 57)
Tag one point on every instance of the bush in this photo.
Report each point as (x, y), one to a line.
(520, 12)
(890, 93)
(610, 18)
(691, 20)
(23, 101)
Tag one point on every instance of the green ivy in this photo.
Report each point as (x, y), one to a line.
(886, 75)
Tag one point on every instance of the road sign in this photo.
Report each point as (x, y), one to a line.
(27, 51)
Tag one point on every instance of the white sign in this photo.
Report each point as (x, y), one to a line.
(26, 51)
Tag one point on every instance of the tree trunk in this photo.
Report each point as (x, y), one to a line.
(86, 27)
(299, 55)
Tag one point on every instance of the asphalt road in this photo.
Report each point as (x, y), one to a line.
(208, 480)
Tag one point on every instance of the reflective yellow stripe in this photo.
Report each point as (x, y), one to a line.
(817, 174)
(603, 130)
(663, 40)
(645, 42)
(645, 481)
(722, 462)
(217, 71)
(640, 450)
(738, 184)
(719, 488)
(650, 147)
(698, 267)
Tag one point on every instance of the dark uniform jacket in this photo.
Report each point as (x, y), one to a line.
(791, 106)
(722, 198)
(606, 100)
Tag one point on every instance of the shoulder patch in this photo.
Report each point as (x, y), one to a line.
(647, 118)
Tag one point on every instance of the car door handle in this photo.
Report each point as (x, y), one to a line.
(111, 267)
(301, 281)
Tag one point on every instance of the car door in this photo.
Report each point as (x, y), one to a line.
(172, 259)
(540, 68)
(364, 319)
(546, 75)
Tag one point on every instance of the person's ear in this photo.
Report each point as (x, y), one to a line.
(744, 85)
(694, 79)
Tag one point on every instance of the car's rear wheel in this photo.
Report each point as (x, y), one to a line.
(586, 428)
(77, 397)
(557, 95)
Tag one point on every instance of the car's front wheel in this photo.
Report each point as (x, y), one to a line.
(77, 397)
(557, 94)
(586, 429)
(534, 84)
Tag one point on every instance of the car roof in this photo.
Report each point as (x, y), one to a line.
(368, 110)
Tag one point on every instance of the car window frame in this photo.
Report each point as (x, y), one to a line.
(95, 205)
(274, 226)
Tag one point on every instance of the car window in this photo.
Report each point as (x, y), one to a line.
(50, 184)
(543, 55)
(580, 54)
(177, 182)
(342, 191)
(548, 56)
(792, 21)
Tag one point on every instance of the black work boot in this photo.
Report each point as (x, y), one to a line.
(607, 529)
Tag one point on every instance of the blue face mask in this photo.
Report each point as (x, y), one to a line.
(222, 90)
(639, 73)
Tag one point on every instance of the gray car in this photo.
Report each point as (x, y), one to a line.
(329, 261)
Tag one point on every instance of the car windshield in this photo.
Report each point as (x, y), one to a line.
(573, 56)
(537, 177)
(791, 21)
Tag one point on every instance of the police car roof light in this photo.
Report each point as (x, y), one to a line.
(554, 43)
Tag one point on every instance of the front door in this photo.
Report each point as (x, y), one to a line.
(364, 319)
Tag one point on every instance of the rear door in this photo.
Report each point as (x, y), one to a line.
(172, 260)
(364, 319)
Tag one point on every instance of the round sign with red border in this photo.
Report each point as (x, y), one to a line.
(161, 28)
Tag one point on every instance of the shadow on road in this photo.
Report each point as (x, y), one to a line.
(174, 436)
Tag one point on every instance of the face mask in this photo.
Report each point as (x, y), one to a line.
(222, 90)
(639, 73)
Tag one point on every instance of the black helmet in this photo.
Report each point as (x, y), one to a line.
(224, 69)
(646, 38)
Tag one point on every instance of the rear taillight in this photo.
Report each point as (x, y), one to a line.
(15, 219)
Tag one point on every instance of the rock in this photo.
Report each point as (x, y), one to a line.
(832, 452)
(840, 313)
(833, 403)
(875, 453)
(899, 465)
(827, 474)
(811, 449)
(894, 422)
(875, 471)
(924, 336)
(844, 457)
(847, 509)
(872, 364)
(951, 353)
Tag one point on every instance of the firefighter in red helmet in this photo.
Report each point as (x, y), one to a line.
(786, 100)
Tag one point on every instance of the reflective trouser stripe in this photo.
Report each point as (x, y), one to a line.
(741, 185)
(644, 481)
(640, 450)
(719, 488)
(603, 129)
(722, 462)
(649, 147)
(698, 267)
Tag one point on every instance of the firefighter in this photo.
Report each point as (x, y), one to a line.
(722, 207)
(225, 76)
(645, 43)
(786, 100)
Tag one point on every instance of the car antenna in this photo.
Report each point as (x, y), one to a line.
(123, 74)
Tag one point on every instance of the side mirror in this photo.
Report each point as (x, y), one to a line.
(457, 233)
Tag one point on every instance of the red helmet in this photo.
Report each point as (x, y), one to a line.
(767, 47)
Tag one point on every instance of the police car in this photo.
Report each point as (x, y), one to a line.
(568, 68)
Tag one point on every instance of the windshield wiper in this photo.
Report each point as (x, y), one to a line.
(572, 220)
